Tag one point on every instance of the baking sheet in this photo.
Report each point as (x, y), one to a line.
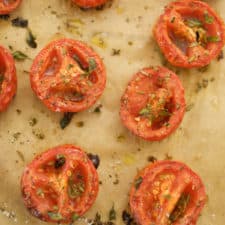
(126, 25)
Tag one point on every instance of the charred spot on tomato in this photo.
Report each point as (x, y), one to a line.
(179, 210)
(60, 161)
(94, 159)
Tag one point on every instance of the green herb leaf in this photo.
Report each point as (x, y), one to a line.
(55, 216)
(75, 217)
(98, 108)
(145, 111)
(39, 192)
(112, 213)
(75, 189)
(192, 59)
(80, 123)
(138, 182)
(32, 121)
(77, 59)
(65, 121)
(20, 56)
(193, 44)
(167, 196)
(213, 39)
(31, 40)
(193, 22)
(164, 113)
(70, 66)
(189, 107)
(115, 51)
(91, 65)
(208, 19)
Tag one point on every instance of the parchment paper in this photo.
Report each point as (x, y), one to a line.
(126, 25)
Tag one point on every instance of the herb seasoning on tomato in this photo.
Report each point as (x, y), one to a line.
(68, 76)
(190, 33)
(89, 3)
(169, 193)
(8, 6)
(60, 185)
(8, 80)
(153, 104)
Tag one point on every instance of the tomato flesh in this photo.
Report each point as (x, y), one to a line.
(59, 184)
(167, 192)
(8, 80)
(68, 76)
(153, 104)
(190, 33)
(7, 6)
(89, 3)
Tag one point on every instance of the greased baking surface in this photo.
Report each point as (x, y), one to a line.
(126, 25)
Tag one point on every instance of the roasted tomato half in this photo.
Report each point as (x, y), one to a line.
(68, 76)
(7, 6)
(167, 193)
(190, 33)
(60, 185)
(89, 3)
(8, 81)
(153, 104)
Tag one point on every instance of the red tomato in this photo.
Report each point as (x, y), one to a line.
(8, 81)
(60, 185)
(167, 192)
(68, 76)
(153, 104)
(89, 3)
(7, 6)
(190, 33)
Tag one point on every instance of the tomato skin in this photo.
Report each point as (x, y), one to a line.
(8, 84)
(6, 9)
(42, 174)
(195, 56)
(133, 100)
(45, 85)
(163, 183)
(89, 3)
